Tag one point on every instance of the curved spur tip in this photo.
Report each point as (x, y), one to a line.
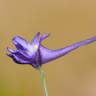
(94, 38)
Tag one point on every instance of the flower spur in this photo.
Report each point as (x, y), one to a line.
(36, 54)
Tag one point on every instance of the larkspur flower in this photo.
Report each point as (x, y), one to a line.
(36, 54)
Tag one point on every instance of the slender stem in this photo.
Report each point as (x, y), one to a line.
(42, 76)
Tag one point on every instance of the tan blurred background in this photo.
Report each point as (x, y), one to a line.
(67, 21)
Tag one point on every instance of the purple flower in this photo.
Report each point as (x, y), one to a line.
(36, 54)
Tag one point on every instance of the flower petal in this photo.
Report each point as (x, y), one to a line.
(10, 50)
(19, 60)
(44, 37)
(35, 40)
(20, 43)
(34, 46)
(20, 57)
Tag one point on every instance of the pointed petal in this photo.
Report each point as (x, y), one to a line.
(20, 57)
(44, 37)
(10, 50)
(19, 60)
(32, 49)
(20, 43)
(35, 40)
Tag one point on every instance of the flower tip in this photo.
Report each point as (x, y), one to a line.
(44, 36)
(38, 33)
(9, 50)
(47, 34)
(15, 39)
(10, 55)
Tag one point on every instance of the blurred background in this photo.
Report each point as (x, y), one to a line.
(67, 21)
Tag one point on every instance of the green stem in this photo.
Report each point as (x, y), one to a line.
(42, 76)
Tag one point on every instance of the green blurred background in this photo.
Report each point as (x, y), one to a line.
(67, 21)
